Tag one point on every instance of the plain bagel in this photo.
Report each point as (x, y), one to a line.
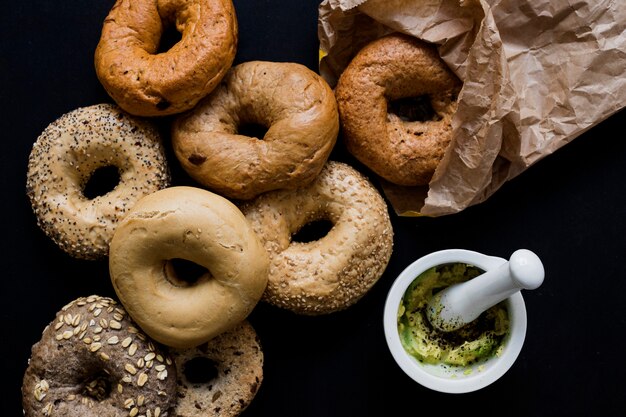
(64, 158)
(396, 101)
(296, 106)
(335, 271)
(146, 82)
(199, 227)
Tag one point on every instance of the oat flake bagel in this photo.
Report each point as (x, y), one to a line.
(331, 273)
(219, 378)
(146, 82)
(296, 106)
(93, 361)
(381, 97)
(194, 225)
(64, 158)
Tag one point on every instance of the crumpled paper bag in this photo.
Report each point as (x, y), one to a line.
(536, 73)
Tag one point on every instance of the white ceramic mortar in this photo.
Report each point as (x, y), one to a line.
(442, 377)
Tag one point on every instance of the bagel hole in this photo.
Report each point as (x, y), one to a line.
(252, 130)
(312, 231)
(169, 38)
(200, 370)
(97, 386)
(184, 273)
(101, 181)
(413, 109)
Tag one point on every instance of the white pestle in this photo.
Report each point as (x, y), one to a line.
(462, 303)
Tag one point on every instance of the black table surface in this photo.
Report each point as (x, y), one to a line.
(569, 208)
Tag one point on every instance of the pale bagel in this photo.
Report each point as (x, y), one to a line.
(201, 227)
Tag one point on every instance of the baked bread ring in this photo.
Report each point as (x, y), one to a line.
(145, 82)
(64, 158)
(92, 361)
(296, 106)
(335, 271)
(220, 377)
(186, 223)
(396, 101)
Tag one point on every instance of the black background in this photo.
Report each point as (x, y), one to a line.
(569, 208)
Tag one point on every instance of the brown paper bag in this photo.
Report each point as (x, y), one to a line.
(536, 73)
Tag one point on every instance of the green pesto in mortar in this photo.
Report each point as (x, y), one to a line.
(477, 340)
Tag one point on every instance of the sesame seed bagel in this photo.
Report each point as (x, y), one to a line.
(334, 272)
(396, 101)
(296, 106)
(219, 378)
(148, 82)
(92, 361)
(200, 227)
(64, 158)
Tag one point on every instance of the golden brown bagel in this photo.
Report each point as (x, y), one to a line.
(296, 106)
(145, 82)
(334, 272)
(195, 225)
(402, 145)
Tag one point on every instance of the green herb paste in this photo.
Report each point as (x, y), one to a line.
(477, 340)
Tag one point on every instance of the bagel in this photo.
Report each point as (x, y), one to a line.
(191, 224)
(220, 377)
(396, 100)
(144, 81)
(64, 158)
(296, 106)
(93, 361)
(331, 273)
